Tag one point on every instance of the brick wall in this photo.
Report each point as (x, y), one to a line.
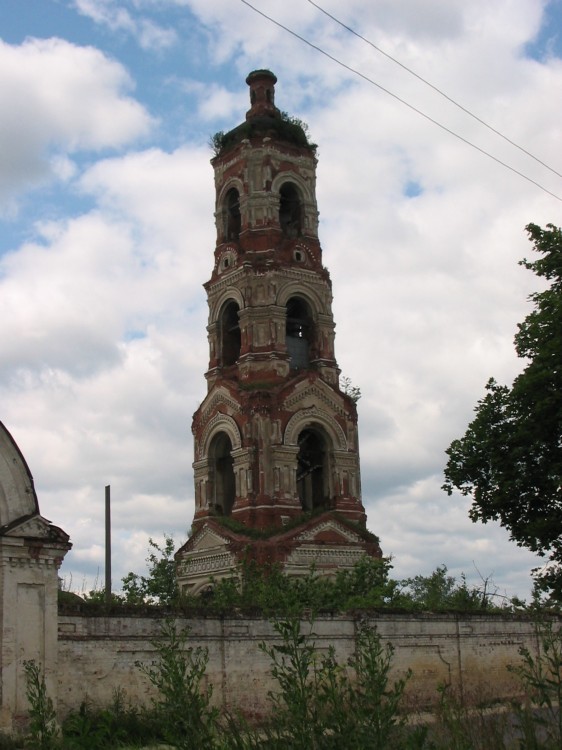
(97, 655)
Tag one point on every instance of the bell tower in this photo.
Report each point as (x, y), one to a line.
(276, 445)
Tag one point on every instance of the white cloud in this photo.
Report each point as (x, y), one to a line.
(150, 36)
(63, 97)
(107, 13)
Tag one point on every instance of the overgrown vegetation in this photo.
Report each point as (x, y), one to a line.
(183, 706)
(321, 703)
(160, 585)
(288, 128)
(541, 675)
(263, 589)
(347, 387)
(42, 718)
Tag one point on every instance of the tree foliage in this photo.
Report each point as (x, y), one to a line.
(510, 459)
(440, 591)
(160, 585)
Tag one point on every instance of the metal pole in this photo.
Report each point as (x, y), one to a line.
(108, 545)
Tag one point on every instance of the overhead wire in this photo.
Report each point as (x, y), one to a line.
(402, 101)
(435, 88)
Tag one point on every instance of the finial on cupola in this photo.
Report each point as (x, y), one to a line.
(262, 94)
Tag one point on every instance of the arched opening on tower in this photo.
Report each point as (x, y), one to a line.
(222, 474)
(298, 333)
(312, 480)
(290, 210)
(233, 216)
(230, 334)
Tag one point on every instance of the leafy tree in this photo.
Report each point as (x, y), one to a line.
(510, 459)
(266, 589)
(160, 586)
(440, 591)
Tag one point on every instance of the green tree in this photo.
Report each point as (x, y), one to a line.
(440, 591)
(510, 459)
(160, 585)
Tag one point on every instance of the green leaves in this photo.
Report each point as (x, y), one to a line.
(510, 458)
(540, 672)
(160, 586)
(321, 703)
(183, 704)
(42, 716)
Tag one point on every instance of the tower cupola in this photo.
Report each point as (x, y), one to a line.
(262, 94)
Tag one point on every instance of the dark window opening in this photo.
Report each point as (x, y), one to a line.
(311, 470)
(230, 334)
(222, 475)
(233, 217)
(268, 95)
(298, 333)
(290, 210)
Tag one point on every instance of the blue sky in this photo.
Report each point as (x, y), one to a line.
(107, 235)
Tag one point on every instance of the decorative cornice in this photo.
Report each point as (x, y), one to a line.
(191, 565)
(220, 396)
(324, 556)
(323, 394)
(329, 524)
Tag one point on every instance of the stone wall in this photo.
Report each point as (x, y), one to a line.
(97, 655)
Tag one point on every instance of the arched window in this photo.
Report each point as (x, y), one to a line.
(233, 217)
(298, 333)
(312, 479)
(223, 487)
(290, 210)
(230, 340)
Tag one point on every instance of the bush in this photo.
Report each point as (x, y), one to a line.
(183, 707)
(323, 704)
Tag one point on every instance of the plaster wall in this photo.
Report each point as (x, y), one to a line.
(98, 655)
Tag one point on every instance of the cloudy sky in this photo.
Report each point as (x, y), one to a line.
(107, 235)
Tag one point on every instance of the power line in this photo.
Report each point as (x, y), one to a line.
(435, 88)
(402, 101)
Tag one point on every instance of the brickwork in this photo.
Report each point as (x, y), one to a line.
(98, 655)
(275, 439)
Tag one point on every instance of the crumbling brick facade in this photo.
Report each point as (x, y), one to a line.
(276, 444)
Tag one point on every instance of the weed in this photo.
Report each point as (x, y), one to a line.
(541, 675)
(183, 707)
(322, 704)
(42, 725)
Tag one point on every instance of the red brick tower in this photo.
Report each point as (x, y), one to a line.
(276, 447)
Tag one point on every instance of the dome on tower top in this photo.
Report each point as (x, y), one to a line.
(263, 118)
(262, 94)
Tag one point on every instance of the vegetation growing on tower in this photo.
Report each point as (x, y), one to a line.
(286, 127)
